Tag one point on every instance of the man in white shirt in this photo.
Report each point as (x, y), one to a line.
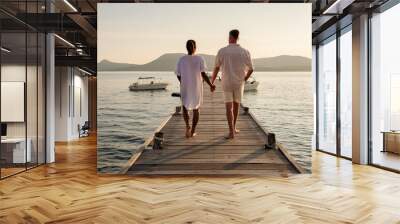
(236, 67)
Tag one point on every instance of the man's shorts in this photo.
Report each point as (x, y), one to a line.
(235, 95)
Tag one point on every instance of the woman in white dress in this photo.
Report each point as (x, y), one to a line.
(191, 72)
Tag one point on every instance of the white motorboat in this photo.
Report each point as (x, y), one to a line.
(251, 85)
(148, 83)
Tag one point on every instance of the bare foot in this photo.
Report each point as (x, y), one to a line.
(237, 131)
(230, 136)
(188, 132)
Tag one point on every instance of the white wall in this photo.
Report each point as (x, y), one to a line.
(14, 73)
(79, 110)
(71, 87)
(62, 82)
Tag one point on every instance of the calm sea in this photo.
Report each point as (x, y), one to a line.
(283, 104)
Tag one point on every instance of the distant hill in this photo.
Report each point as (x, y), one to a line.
(167, 62)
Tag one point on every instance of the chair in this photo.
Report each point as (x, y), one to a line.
(84, 130)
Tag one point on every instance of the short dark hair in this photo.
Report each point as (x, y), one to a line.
(190, 46)
(234, 33)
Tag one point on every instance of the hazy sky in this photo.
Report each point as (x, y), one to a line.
(138, 33)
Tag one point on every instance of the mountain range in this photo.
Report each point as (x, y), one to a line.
(167, 62)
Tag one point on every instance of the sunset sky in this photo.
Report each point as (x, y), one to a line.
(140, 32)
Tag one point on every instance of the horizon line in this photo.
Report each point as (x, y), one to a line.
(196, 54)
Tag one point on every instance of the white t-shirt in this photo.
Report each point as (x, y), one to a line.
(189, 68)
(234, 62)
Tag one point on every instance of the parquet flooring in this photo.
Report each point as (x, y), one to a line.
(70, 191)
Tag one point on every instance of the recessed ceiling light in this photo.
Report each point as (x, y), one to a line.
(70, 5)
(64, 40)
(5, 50)
(338, 6)
(84, 71)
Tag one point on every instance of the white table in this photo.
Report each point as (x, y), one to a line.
(19, 153)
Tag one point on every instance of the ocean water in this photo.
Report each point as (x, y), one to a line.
(283, 104)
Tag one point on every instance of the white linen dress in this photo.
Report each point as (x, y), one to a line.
(189, 69)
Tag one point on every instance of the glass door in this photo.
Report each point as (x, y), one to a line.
(385, 89)
(327, 95)
(346, 92)
(14, 154)
(22, 77)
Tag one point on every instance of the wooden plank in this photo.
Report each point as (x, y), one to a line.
(214, 126)
(210, 143)
(209, 117)
(197, 155)
(219, 122)
(211, 166)
(243, 159)
(216, 131)
(201, 135)
(215, 139)
(283, 172)
(221, 150)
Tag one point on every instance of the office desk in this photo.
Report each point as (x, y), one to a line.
(391, 141)
(13, 150)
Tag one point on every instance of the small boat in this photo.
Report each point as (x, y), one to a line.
(251, 85)
(209, 75)
(148, 83)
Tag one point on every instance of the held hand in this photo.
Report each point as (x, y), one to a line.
(212, 88)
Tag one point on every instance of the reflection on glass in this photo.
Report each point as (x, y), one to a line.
(385, 94)
(327, 96)
(22, 91)
(31, 100)
(14, 153)
(41, 98)
(395, 102)
(346, 94)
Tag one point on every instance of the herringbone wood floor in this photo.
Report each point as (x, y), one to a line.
(70, 191)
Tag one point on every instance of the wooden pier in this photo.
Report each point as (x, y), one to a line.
(209, 153)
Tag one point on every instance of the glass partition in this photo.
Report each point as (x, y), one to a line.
(327, 95)
(14, 153)
(22, 66)
(346, 93)
(31, 98)
(385, 89)
(41, 97)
